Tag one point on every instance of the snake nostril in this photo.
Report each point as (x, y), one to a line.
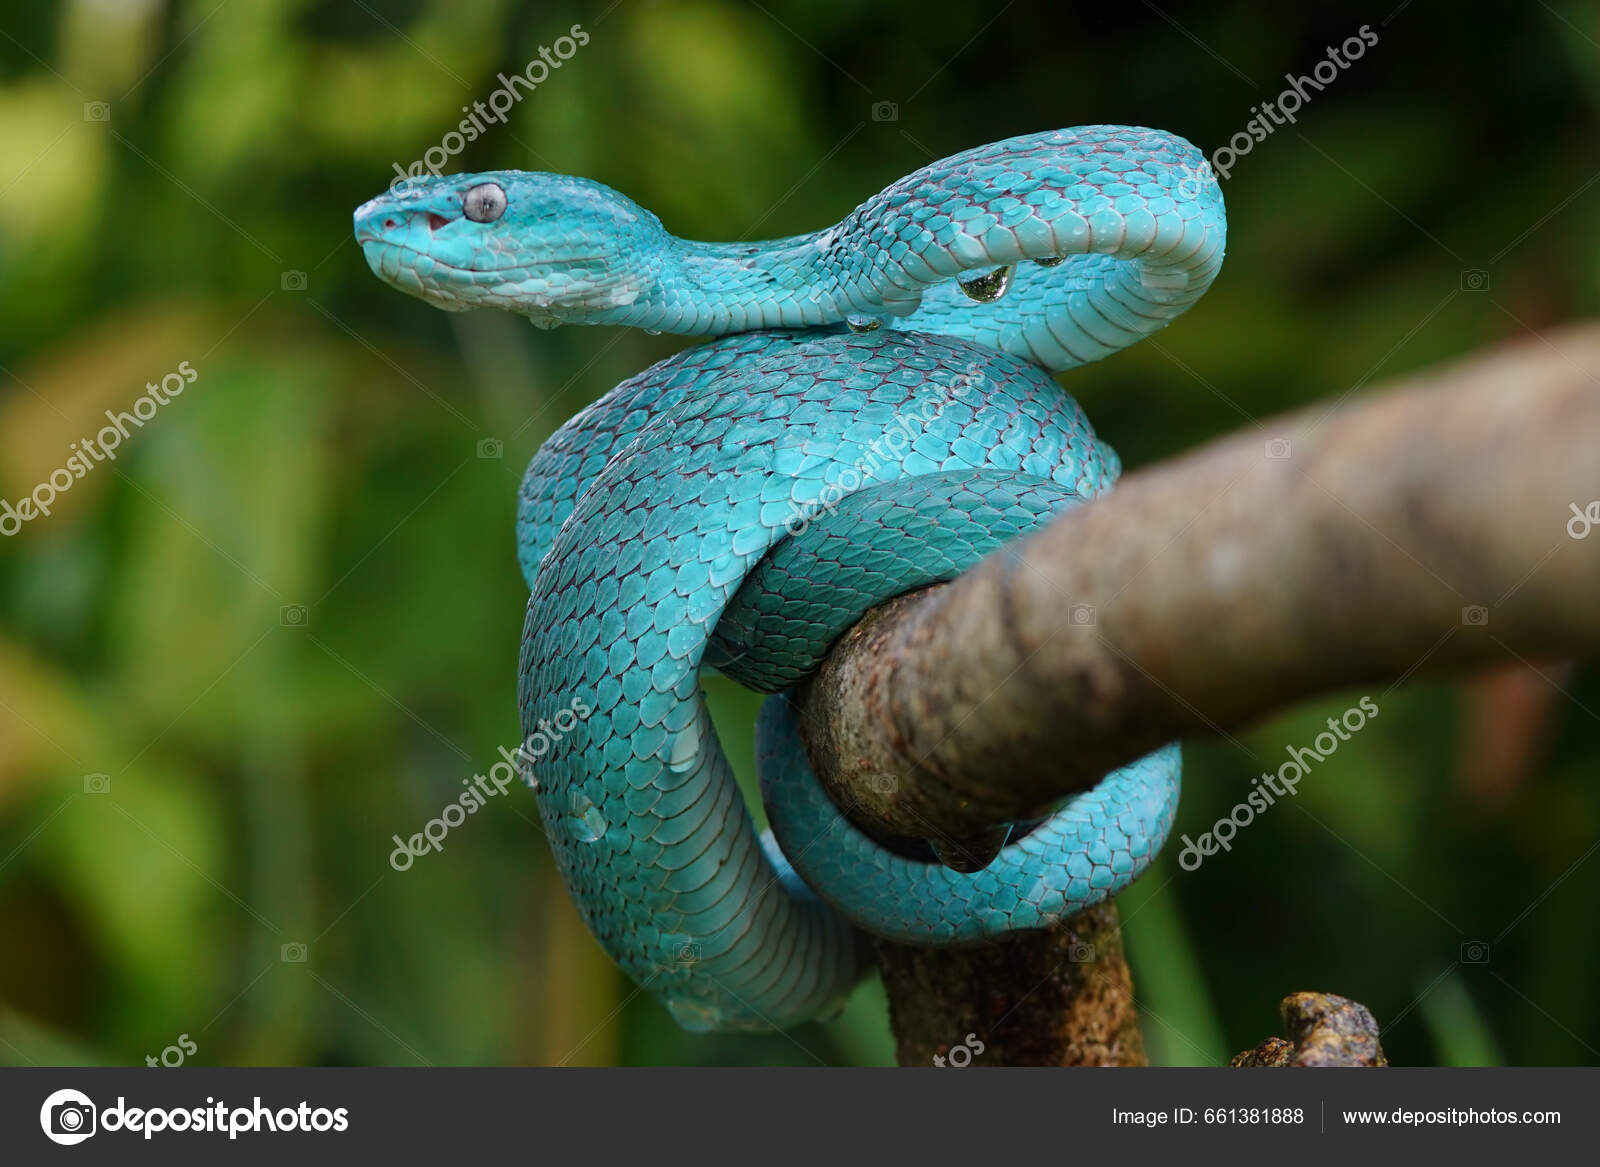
(390, 224)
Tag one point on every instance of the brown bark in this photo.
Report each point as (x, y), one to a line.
(1421, 527)
(1057, 998)
(1324, 1031)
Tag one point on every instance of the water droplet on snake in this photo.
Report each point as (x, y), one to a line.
(692, 1015)
(1052, 261)
(986, 289)
(652, 332)
(584, 818)
(861, 322)
(685, 751)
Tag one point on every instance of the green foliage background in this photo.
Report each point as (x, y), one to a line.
(328, 457)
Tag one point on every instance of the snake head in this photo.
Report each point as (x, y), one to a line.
(547, 246)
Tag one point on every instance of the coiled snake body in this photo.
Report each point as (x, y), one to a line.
(877, 414)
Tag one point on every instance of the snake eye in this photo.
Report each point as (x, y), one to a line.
(484, 203)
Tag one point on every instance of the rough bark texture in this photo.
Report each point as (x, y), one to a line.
(1324, 1030)
(1058, 998)
(1418, 528)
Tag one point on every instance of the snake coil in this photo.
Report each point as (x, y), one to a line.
(876, 414)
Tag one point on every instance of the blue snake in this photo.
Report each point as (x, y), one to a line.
(876, 413)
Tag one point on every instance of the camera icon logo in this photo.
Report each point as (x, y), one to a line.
(687, 953)
(1475, 616)
(884, 783)
(293, 616)
(1278, 448)
(491, 449)
(1081, 615)
(97, 783)
(1475, 952)
(96, 111)
(293, 953)
(1474, 279)
(293, 281)
(1081, 953)
(67, 1117)
(885, 111)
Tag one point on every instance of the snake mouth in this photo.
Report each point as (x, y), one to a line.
(540, 292)
(416, 253)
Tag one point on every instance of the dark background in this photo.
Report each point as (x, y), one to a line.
(327, 461)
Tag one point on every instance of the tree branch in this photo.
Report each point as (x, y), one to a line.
(1417, 528)
(1057, 998)
(1421, 527)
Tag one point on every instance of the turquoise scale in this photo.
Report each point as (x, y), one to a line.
(740, 504)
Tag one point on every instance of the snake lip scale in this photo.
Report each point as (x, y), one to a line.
(875, 412)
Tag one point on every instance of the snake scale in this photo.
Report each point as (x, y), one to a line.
(875, 413)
